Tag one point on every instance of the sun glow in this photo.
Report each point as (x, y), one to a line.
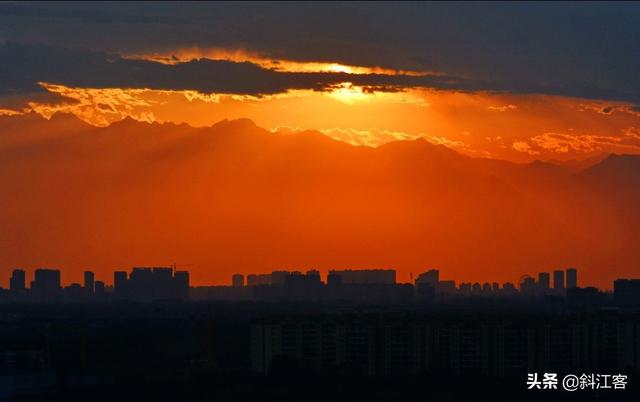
(281, 65)
(349, 93)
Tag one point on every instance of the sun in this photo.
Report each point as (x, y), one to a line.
(348, 93)
(340, 68)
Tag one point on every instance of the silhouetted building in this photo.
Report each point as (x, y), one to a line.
(588, 298)
(558, 280)
(427, 285)
(299, 286)
(493, 345)
(528, 286)
(447, 287)
(365, 276)
(544, 282)
(99, 289)
(89, 279)
(431, 277)
(259, 279)
(181, 279)
(17, 283)
(237, 281)
(156, 283)
(278, 278)
(509, 288)
(74, 293)
(46, 284)
(120, 284)
(572, 278)
(626, 293)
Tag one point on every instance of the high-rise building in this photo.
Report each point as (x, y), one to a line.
(155, 283)
(89, 279)
(279, 277)
(558, 280)
(17, 283)
(365, 276)
(181, 281)
(120, 283)
(237, 281)
(258, 279)
(572, 278)
(431, 278)
(99, 288)
(626, 293)
(46, 283)
(527, 286)
(544, 282)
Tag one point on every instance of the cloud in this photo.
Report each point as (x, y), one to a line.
(84, 68)
(375, 137)
(74, 67)
(100, 107)
(523, 146)
(502, 108)
(9, 112)
(519, 47)
(588, 143)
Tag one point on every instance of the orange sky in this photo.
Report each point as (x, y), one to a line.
(519, 128)
(497, 125)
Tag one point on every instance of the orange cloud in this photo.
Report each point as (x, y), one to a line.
(522, 146)
(502, 108)
(587, 143)
(471, 123)
(9, 112)
(184, 55)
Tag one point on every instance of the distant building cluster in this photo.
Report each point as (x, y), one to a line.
(377, 286)
(143, 284)
(480, 345)
(381, 285)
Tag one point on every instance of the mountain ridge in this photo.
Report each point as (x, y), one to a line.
(234, 197)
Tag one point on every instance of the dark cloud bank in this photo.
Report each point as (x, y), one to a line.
(584, 50)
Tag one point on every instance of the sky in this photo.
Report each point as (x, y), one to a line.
(516, 81)
(120, 120)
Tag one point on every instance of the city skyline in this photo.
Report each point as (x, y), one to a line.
(562, 279)
(89, 275)
(319, 201)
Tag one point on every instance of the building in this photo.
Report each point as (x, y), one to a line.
(258, 279)
(120, 284)
(46, 283)
(181, 280)
(237, 281)
(505, 346)
(364, 276)
(572, 278)
(626, 293)
(558, 280)
(431, 278)
(17, 283)
(157, 283)
(89, 279)
(99, 289)
(447, 287)
(528, 286)
(544, 282)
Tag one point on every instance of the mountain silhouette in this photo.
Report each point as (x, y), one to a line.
(234, 197)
